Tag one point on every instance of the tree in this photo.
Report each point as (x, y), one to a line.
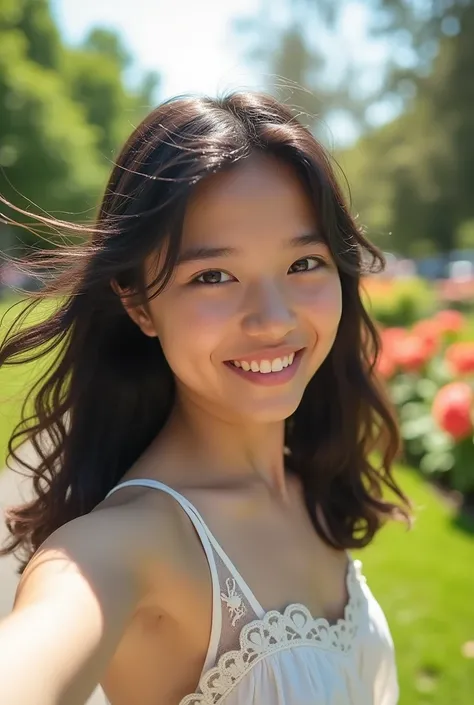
(411, 179)
(47, 148)
(425, 170)
(43, 40)
(65, 112)
(282, 41)
(94, 72)
(103, 42)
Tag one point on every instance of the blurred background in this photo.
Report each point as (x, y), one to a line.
(388, 87)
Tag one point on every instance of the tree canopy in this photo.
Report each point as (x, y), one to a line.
(411, 178)
(65, 111)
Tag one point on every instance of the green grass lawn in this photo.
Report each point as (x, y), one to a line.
(11, 386)
(424, 579)
(14, 380)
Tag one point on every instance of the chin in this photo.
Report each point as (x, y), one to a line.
(268, 413)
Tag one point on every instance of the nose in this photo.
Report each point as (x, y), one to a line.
(270, 315)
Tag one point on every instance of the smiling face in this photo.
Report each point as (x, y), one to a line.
(255, 302)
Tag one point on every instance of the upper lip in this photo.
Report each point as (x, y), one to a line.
(268, 353)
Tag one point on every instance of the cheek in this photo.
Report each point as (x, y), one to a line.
(322, 302)
(192, 326)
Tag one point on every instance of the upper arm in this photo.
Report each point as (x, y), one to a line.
(71, 608)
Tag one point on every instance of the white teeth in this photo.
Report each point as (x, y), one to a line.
(266, 366)
(277, 365)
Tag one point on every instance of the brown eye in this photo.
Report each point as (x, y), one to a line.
(213, 276)
(305, 264)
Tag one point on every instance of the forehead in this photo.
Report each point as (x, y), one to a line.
(260, 194)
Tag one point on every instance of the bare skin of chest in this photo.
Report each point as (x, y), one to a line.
(276, 550)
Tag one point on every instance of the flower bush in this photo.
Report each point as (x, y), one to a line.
(429, 371)
(398, 302)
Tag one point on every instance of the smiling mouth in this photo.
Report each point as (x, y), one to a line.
(268, 366)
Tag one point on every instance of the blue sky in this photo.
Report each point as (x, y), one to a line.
(192, 45)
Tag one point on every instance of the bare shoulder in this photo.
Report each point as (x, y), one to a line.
(110, 547)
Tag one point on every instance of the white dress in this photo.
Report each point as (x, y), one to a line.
(288, 657)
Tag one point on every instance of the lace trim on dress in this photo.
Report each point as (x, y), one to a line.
(277, 631)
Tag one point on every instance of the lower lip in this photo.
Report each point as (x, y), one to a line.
(269, 379)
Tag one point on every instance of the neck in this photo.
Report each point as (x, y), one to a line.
(200, 445)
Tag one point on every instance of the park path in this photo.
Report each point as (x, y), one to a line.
(13, 490)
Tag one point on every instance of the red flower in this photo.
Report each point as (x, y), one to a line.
(412, 353)
(460, 357)
(430, 332)
(385, 365)
(392, 335)
(450, 321)
(452, 409)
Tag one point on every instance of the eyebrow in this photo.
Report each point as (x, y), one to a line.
(193, 254)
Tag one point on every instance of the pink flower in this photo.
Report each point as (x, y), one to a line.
(452, 409)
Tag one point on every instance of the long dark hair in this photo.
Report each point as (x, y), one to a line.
(108, 389)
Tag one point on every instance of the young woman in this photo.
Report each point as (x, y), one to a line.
(212, 438)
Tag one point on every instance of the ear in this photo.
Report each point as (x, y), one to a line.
(137, 312)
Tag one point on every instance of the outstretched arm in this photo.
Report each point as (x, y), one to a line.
(71, 608)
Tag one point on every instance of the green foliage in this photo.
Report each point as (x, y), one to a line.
(47, 148)
(404, 302)
(94, 74)
(425, 444)
(95, 85)
(103, 42)
(293, 63)
(411, 180)
(43, 40)
(65, 112)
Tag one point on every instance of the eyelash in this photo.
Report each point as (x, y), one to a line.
(319, 260)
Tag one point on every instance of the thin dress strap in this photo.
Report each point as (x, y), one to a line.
(209, 542)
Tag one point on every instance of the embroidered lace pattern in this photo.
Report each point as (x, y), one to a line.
(236, 611)
(234, 601)
(277, 631)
